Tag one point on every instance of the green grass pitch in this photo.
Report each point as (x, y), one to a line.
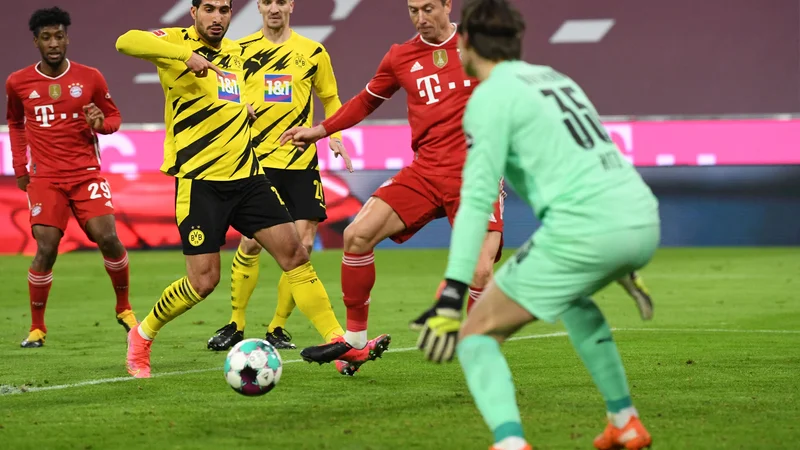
(718, 367)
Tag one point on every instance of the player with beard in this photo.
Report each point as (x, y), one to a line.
(282, 70)
(218, 180)
(57, 107)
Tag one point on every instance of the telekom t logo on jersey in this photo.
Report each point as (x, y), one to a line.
(44, 114)
(430, 88)
(433, 86)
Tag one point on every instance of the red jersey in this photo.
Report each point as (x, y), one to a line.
(438, 90)
(46, 113)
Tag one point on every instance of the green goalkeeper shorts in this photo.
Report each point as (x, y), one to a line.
(548, 274)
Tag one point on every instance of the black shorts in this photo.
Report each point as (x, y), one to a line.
(204, 210)
(302, 192)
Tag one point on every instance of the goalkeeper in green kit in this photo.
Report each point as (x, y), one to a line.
(535, 127)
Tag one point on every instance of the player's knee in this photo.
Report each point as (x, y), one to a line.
(250, 246)
(469, 328)
(108, 241)
(46, 254)
(293, 259)
(308, 243)
(476, 326)
(204, 283)
(356, 239)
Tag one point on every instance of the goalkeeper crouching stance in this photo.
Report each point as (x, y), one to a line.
(536, 127)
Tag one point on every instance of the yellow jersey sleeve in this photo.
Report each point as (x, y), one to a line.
(207, 127)
(160, 47)
(326, 88)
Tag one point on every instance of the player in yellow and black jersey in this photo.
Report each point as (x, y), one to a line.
(282, 72)
(219, 182)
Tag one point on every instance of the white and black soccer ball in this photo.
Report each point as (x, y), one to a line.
(253, 367)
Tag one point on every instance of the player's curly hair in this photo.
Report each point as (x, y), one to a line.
(48, 17)
(196, 3)
(494, 29)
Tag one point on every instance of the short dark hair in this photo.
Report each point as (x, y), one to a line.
(48, 17)
(196, 3)
(494, 29)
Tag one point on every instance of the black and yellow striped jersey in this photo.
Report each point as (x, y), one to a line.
(207, 127)
(279, 82)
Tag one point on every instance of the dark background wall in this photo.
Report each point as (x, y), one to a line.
(683, 57)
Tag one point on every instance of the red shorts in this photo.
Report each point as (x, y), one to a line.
(51, 204)
(419, 199)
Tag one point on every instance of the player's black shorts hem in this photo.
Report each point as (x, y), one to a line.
(301, 191)
(204, 210)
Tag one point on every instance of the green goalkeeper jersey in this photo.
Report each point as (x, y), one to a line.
(536, 127)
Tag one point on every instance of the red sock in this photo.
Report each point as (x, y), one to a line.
(358, 278)
(474, 293)
(118, 271)
(39, 288)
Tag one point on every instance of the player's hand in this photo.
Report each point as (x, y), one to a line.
(251, 113)
(338, 150)
(23, 182)
(302, 137)
(439, 336)
(200, 66)
(94, 116)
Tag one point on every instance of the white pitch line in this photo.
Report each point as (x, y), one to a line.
(15, 390)
(708, 330)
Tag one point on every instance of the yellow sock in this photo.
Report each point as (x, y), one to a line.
(176, 299)
(313, 301)
(244, 277)
(285, 304)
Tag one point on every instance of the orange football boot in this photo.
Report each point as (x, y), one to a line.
(633, 436)
(138, 359)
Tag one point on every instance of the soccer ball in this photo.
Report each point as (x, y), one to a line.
(253, 367)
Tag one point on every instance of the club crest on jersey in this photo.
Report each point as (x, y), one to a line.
(277, 88)
(55, 91)
(300, 61)
(36, 209)
(75, 90)
(440, 58)
(228, 87)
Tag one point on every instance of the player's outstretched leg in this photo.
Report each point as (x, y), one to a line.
(103, 231)
(488, 376)
(276, 333)
(634, 286)
(283, 243)
(374, 223)
(591, 337)
(244, 277)
(202, 277)
(40, 278)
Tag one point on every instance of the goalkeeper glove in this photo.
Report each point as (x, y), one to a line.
(439, 336)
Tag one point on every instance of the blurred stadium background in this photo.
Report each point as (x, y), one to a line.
(700, 96)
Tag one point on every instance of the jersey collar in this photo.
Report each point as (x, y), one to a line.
(36, 67)
(455, 30)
